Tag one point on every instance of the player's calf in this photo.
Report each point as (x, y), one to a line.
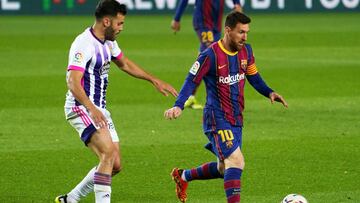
(232, 184)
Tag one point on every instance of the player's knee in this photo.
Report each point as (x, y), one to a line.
(116, 170)
(236, 164)
(235, 161)
(107, 155)
(242, 165)
(117, 167)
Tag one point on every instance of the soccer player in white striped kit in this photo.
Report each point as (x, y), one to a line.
(85, 106)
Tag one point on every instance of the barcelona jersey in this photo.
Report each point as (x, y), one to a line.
(207, 14)
(224, 74)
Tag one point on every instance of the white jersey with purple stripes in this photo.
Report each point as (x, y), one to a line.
(92, 56)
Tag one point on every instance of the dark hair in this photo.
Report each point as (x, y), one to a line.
(109, 8)
(233, 18)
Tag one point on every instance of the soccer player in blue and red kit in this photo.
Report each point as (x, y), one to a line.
(207, 22)
(223, 66)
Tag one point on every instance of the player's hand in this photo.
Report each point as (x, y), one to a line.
(98, 117)
(175, 26)
(173, 113)
(164, 88)
(277, 97)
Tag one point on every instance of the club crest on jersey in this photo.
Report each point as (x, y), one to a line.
(229, 144)
(78, 58)
(243, 64)
(195, 67)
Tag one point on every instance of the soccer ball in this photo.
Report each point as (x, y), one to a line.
(294, 198)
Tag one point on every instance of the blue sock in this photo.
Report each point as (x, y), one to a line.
(232, 184)
(203, 172)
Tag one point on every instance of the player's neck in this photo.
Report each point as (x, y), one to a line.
(226, 44)
(98, 31)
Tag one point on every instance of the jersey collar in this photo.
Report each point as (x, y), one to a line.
(92, 33)
(226, 51)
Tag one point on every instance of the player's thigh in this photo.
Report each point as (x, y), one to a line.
(106, 139)
(101, 143)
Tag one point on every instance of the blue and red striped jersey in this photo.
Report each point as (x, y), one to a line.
(224, 74)
(207, 14)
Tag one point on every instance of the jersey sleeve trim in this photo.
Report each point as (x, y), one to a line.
(119, 56)
(78, 68)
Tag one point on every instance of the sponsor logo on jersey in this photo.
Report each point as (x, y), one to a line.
(104, 70)
(78, 58)
(231, 79)
(222, 66)
(195, 67)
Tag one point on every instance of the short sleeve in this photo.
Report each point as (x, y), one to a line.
(80, 53)
(252, 69)
(115, 50)
(201, 66)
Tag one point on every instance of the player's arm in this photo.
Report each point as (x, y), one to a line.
(74, 85)
(187, 89)
(199, 69)
(257, 82)
(260, 86)
(237, 6)
(175, 23)
(134, 70)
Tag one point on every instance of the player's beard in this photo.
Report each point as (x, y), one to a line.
(110, 34)
(235, 46)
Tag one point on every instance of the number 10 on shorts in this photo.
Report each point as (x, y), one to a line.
(226, 135)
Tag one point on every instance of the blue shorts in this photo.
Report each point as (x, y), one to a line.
(224, 141)
(207, 37)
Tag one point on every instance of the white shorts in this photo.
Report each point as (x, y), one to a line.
(79, 118)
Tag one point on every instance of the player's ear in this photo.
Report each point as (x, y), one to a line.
(106, 21)
(227, 30)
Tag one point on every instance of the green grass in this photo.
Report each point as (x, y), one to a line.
(311, 148)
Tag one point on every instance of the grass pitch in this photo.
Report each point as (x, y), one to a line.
(311, 148)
